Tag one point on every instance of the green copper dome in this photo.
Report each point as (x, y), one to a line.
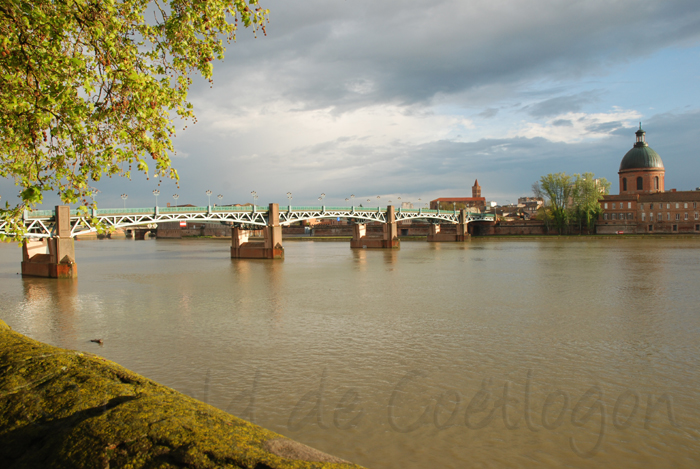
(641, 156)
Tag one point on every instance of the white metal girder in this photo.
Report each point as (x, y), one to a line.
(43, 226)
(293, 216)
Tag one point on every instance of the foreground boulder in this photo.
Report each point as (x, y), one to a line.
(66, 409)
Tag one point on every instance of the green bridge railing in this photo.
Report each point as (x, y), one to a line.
(223, 208)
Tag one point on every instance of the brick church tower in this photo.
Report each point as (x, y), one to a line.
(476, 189)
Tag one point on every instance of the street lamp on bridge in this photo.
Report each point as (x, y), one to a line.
(156, 192)
(124, 197)
(175, 197)
(220, 196)
(289, 197)
(209, 195)
(255, 197)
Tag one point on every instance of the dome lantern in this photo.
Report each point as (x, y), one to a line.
(641, 140)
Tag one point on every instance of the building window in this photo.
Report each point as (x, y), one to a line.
(678, 216)
(685, 205)
(613, 216)
(685, 217)
(651, 227)
(605, 216)
(696, 215)
(629, 204)
(659, 217)
(668, 215)
(661, 205)
(640, 183)
(668, 206)
(695, 205)
(606, 205)
(697, 227)
(656, 183)
(613, 205)
(644, 216)
(630, 217)
(624, 184)
(677, 205)
(675, 227)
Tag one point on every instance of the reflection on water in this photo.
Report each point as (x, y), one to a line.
(492, 353)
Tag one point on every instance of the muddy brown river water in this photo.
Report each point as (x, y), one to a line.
(493, 353)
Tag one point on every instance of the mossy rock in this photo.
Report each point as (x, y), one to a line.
(66, 409)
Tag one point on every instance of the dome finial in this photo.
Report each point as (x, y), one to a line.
(640, 126)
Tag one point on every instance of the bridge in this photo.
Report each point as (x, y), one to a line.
(49, 252)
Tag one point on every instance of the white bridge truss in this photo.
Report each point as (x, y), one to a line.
(41, 224)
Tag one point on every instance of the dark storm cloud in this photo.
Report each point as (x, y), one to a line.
(350, 54)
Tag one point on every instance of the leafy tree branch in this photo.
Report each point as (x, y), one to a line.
(90, 88)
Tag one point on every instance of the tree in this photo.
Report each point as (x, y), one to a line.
(570, 199)
(556, 190)
(586, 194)
(91, 88)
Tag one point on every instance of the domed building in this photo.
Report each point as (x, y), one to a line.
(643, 205)
(641, 169)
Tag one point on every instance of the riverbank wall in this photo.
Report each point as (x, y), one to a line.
(65, 409)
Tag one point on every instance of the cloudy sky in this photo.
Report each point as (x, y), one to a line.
(416, 99)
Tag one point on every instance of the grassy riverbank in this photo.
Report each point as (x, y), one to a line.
(66, 409)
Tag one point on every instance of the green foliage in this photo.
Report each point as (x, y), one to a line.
(586, 194)
(570, 200)
(556, 189)
(90, 89)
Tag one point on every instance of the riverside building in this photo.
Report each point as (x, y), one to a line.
(448, 203)
(643, 205)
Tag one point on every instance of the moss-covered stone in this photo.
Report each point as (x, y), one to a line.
(66, 409)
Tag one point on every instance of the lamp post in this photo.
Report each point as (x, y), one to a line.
(209, 195)
(255, 197)
(93, 194)
(124, 197)
(321, 198)
(156, 192)
(352, 196)
(175, 197)
(289, 197)
(219, 197)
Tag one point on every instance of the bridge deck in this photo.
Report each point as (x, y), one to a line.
(39, 223)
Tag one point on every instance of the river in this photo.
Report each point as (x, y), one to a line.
(491, 353)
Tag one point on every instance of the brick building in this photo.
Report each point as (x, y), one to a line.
(448, 203)
(642, 205)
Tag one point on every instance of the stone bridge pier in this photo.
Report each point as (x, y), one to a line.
(270, 248)
(52, 257)
(389, 239)
(461, 235)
